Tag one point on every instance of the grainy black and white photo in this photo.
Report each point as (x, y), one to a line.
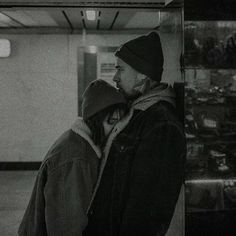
(117, 118)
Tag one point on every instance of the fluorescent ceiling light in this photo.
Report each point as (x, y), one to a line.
(90, 15)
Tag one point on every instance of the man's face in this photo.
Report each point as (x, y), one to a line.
(125, 78)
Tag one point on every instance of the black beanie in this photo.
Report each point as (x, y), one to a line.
(144, 54)
(98, 96)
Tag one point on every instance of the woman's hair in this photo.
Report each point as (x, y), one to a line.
(95, 122)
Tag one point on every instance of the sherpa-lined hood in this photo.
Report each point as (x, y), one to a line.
(163, 92)
(81, 128)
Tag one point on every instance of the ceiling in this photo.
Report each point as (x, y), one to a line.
(89, 2)
(59, 17)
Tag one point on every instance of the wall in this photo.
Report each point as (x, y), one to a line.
(39, 87)
(38, 90)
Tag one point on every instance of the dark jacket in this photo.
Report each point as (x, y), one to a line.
(141, 178)
(63, 186)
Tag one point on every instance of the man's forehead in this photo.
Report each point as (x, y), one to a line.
(120, 63)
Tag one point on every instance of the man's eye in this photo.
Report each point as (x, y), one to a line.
(118, 68)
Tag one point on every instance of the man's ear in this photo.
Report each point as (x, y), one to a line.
(140, 78)
(140, 84)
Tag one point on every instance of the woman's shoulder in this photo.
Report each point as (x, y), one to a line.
(66, 140)
(67, 148)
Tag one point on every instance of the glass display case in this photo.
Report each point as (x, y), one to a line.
(210, 117)
(210, 127)
(210, 44)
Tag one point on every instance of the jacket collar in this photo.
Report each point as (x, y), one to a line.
(81, 128)
(163, 92)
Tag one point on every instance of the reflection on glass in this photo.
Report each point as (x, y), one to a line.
(210, 122)
(210, 44)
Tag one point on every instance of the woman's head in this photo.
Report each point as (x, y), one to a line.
(102, 107)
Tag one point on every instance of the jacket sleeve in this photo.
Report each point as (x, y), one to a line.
(33, 222)
(155, 182)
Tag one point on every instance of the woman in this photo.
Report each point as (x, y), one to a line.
(67, 176)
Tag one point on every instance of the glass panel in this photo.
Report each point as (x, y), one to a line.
(210, 44)
(210, 126)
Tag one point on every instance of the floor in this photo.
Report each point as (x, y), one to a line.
(15, 191)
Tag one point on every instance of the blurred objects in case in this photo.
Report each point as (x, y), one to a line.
(210, 44)
(210, 92)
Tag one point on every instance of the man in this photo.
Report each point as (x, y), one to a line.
(141, 179)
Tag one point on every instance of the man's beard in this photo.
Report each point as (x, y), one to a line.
(130, 97)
